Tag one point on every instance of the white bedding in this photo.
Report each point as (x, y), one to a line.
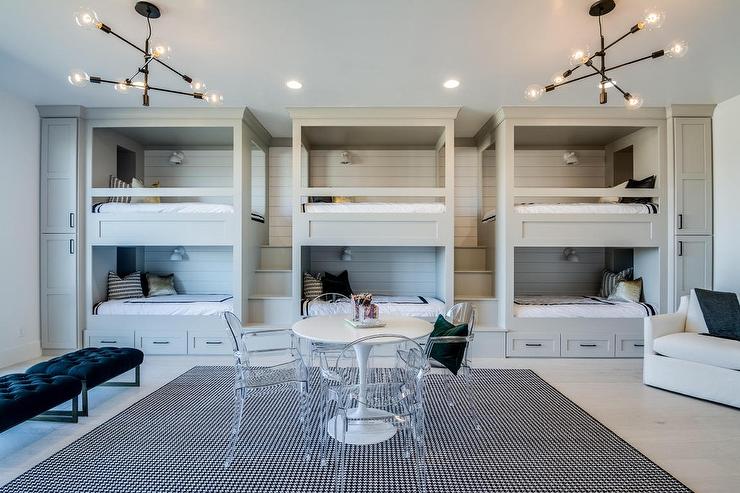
(579, 208)
(164, 207)
(375, 207)
(411, 306)
(177, 304)
(578, 307)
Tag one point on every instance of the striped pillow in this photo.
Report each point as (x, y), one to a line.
(115, 182)
(312, 286)
(122, 289)
(609, 281)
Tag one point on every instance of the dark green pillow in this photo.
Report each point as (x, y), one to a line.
(450, 355)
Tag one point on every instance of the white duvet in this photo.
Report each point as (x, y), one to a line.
(579, 208)
(179, 304)
(376, 207)
(388, 305)
(577, 307)
(164, 207)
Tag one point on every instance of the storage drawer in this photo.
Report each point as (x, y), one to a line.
(115, 340)
(629, 346)
(588, 347)
(202, 344)
(529, 344)
(173, 344)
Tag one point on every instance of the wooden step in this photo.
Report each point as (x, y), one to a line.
(486, 308)
(276, 257)
(275, 310)
(470, 258)
(271, 282)
(473, 283)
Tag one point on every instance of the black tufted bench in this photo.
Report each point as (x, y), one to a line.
(94, 366)
(24, 396)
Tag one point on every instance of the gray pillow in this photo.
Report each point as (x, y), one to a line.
(161, 285)
(122, 289)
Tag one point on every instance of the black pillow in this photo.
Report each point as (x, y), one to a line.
(337, 284)
(321, 200)
(721, 313)
(449, 354)
(648, 182)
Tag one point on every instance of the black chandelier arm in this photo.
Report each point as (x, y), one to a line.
(655, 54)
(633, 30)
(100, 80)
(610, 80)
(551, 87)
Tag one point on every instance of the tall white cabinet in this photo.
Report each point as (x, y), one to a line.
(693, 229)
(59, 231)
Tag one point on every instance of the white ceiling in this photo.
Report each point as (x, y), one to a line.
(369, 53)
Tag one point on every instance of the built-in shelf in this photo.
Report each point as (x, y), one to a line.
(163, 192)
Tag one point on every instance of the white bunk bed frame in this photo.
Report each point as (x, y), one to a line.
(160, 334)
(573, 337)
(381, 229)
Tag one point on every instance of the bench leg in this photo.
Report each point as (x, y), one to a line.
(60, 416)
(135, 383)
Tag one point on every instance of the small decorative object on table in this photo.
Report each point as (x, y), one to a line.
(365, 312)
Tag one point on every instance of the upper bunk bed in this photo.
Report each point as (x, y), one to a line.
(576, 176)
(373, 176)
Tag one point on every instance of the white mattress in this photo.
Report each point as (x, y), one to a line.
(578, 307)
(164, 207)
(177, 304)
(376, 207)
(579, 208)
(410, 306)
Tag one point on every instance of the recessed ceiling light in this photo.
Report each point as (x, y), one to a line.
(451, 84)
(294, 84)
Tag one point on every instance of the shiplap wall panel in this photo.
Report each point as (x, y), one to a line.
(280, 195)
(544, 271)
(200, 168)
(466, 196)
(207, 269)
(398, 271)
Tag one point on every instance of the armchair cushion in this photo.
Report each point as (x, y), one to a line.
(721, 313)
(448, 354)
(689, 346)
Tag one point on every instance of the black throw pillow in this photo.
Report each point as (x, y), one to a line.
(449, 354)
(337, 284)
(648, 182)
(721, 313)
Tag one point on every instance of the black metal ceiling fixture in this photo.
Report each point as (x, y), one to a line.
(154, 51)
(653, 19)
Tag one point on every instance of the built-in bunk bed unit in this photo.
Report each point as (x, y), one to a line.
(171, 200)
(580, 193)
(373, 196)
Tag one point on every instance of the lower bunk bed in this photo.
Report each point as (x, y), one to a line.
(411, 306)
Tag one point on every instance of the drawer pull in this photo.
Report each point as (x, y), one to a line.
(532, 344)
(588, 345)
(639, 345)
(218, 343)
(108, 342)
(160, 342)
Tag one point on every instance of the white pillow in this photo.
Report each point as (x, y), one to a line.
(136, 183)
(613, 200)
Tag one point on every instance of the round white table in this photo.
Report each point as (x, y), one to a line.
(335, 330)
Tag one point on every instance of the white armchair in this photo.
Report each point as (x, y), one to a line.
(679, 359)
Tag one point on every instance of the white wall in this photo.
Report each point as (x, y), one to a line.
(726, 129)
(19, 220)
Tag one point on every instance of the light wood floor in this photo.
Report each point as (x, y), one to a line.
(696, 441)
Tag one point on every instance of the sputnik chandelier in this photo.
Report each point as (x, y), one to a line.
(154, 51)
(596, 62)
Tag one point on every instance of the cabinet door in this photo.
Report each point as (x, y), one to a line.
(693, 264)
(693, 167)
(58, 291)
(58, 175)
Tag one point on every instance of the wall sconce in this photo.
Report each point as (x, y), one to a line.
(345, 158)
(346, 254)
(176, 158)
(570, 158)
(178, 254)
(570, 255)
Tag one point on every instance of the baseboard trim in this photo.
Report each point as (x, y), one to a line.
(22, 352)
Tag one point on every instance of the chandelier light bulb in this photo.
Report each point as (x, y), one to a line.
(534, 92)
(653, 19)
(558, 78)
(122, 87)
(159, 48)
(676, 49)
(78, 78)
(579, 56)
(608, 84)
(633, 101)
(87, 18)
(198, 86)
(214, 98)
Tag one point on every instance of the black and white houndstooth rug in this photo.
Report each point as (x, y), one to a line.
(534, 440)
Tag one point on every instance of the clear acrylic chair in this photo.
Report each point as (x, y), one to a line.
(461, 313)
(285, 367)
(372, 404)
(340, 304)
